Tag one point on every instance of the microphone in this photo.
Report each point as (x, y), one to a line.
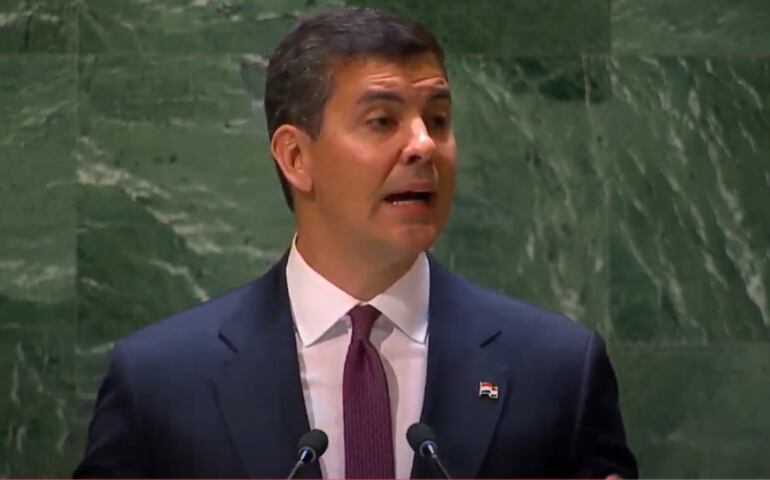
(309, 449)
(423, 441)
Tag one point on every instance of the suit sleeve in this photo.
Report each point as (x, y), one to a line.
(116, 446)
(600, 448)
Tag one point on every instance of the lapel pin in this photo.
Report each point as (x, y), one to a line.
(487, 389)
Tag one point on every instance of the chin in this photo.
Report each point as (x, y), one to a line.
(414, 240)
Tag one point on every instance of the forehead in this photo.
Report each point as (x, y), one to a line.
(353, 76)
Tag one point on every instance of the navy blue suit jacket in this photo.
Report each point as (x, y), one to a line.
(215, 391)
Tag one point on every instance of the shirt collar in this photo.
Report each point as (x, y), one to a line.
(405, 302)
(317, 304)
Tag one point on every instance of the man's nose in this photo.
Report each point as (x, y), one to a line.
(421, 146)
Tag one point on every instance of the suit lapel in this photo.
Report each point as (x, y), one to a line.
(259, 389)
(459, 357)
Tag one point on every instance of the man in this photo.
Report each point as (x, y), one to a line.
(357, 330)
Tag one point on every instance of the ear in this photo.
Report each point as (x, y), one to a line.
(289, 147)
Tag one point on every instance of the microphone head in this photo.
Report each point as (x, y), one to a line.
(314, 442)
(422, 439)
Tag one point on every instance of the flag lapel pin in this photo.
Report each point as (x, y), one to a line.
(487, 389)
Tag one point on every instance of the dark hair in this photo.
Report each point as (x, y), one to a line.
(299, 74)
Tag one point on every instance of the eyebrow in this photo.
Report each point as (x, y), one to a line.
(441, 93)
(373, 95)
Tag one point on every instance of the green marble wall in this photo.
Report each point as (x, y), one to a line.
(615, 165)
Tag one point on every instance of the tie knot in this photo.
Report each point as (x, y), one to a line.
(362, 318)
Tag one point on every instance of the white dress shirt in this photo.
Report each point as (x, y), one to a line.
(323, 330)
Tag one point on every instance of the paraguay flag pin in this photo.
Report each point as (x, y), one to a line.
(487, 389)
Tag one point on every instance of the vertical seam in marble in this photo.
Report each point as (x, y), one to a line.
(604, 166)
(75, 211)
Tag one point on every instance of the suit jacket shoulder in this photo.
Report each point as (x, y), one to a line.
(520, 323)
(194, 335)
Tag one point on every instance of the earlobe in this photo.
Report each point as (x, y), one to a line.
(289, 148)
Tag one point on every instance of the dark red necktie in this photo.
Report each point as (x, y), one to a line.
(366, 404)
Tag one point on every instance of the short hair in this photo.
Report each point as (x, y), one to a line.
(299, 74)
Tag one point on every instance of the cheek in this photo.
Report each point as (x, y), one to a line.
(447, 171)
(349, 181)
(350, 172)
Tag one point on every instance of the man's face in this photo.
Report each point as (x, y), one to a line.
(383, 165)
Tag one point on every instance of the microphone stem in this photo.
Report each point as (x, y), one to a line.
(440, 466)
(294, 470)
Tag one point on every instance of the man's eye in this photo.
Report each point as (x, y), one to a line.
(381, 123)
(439, 121)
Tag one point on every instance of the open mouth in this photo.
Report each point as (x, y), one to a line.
(405, 198)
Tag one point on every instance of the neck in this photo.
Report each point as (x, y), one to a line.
(352, 270)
